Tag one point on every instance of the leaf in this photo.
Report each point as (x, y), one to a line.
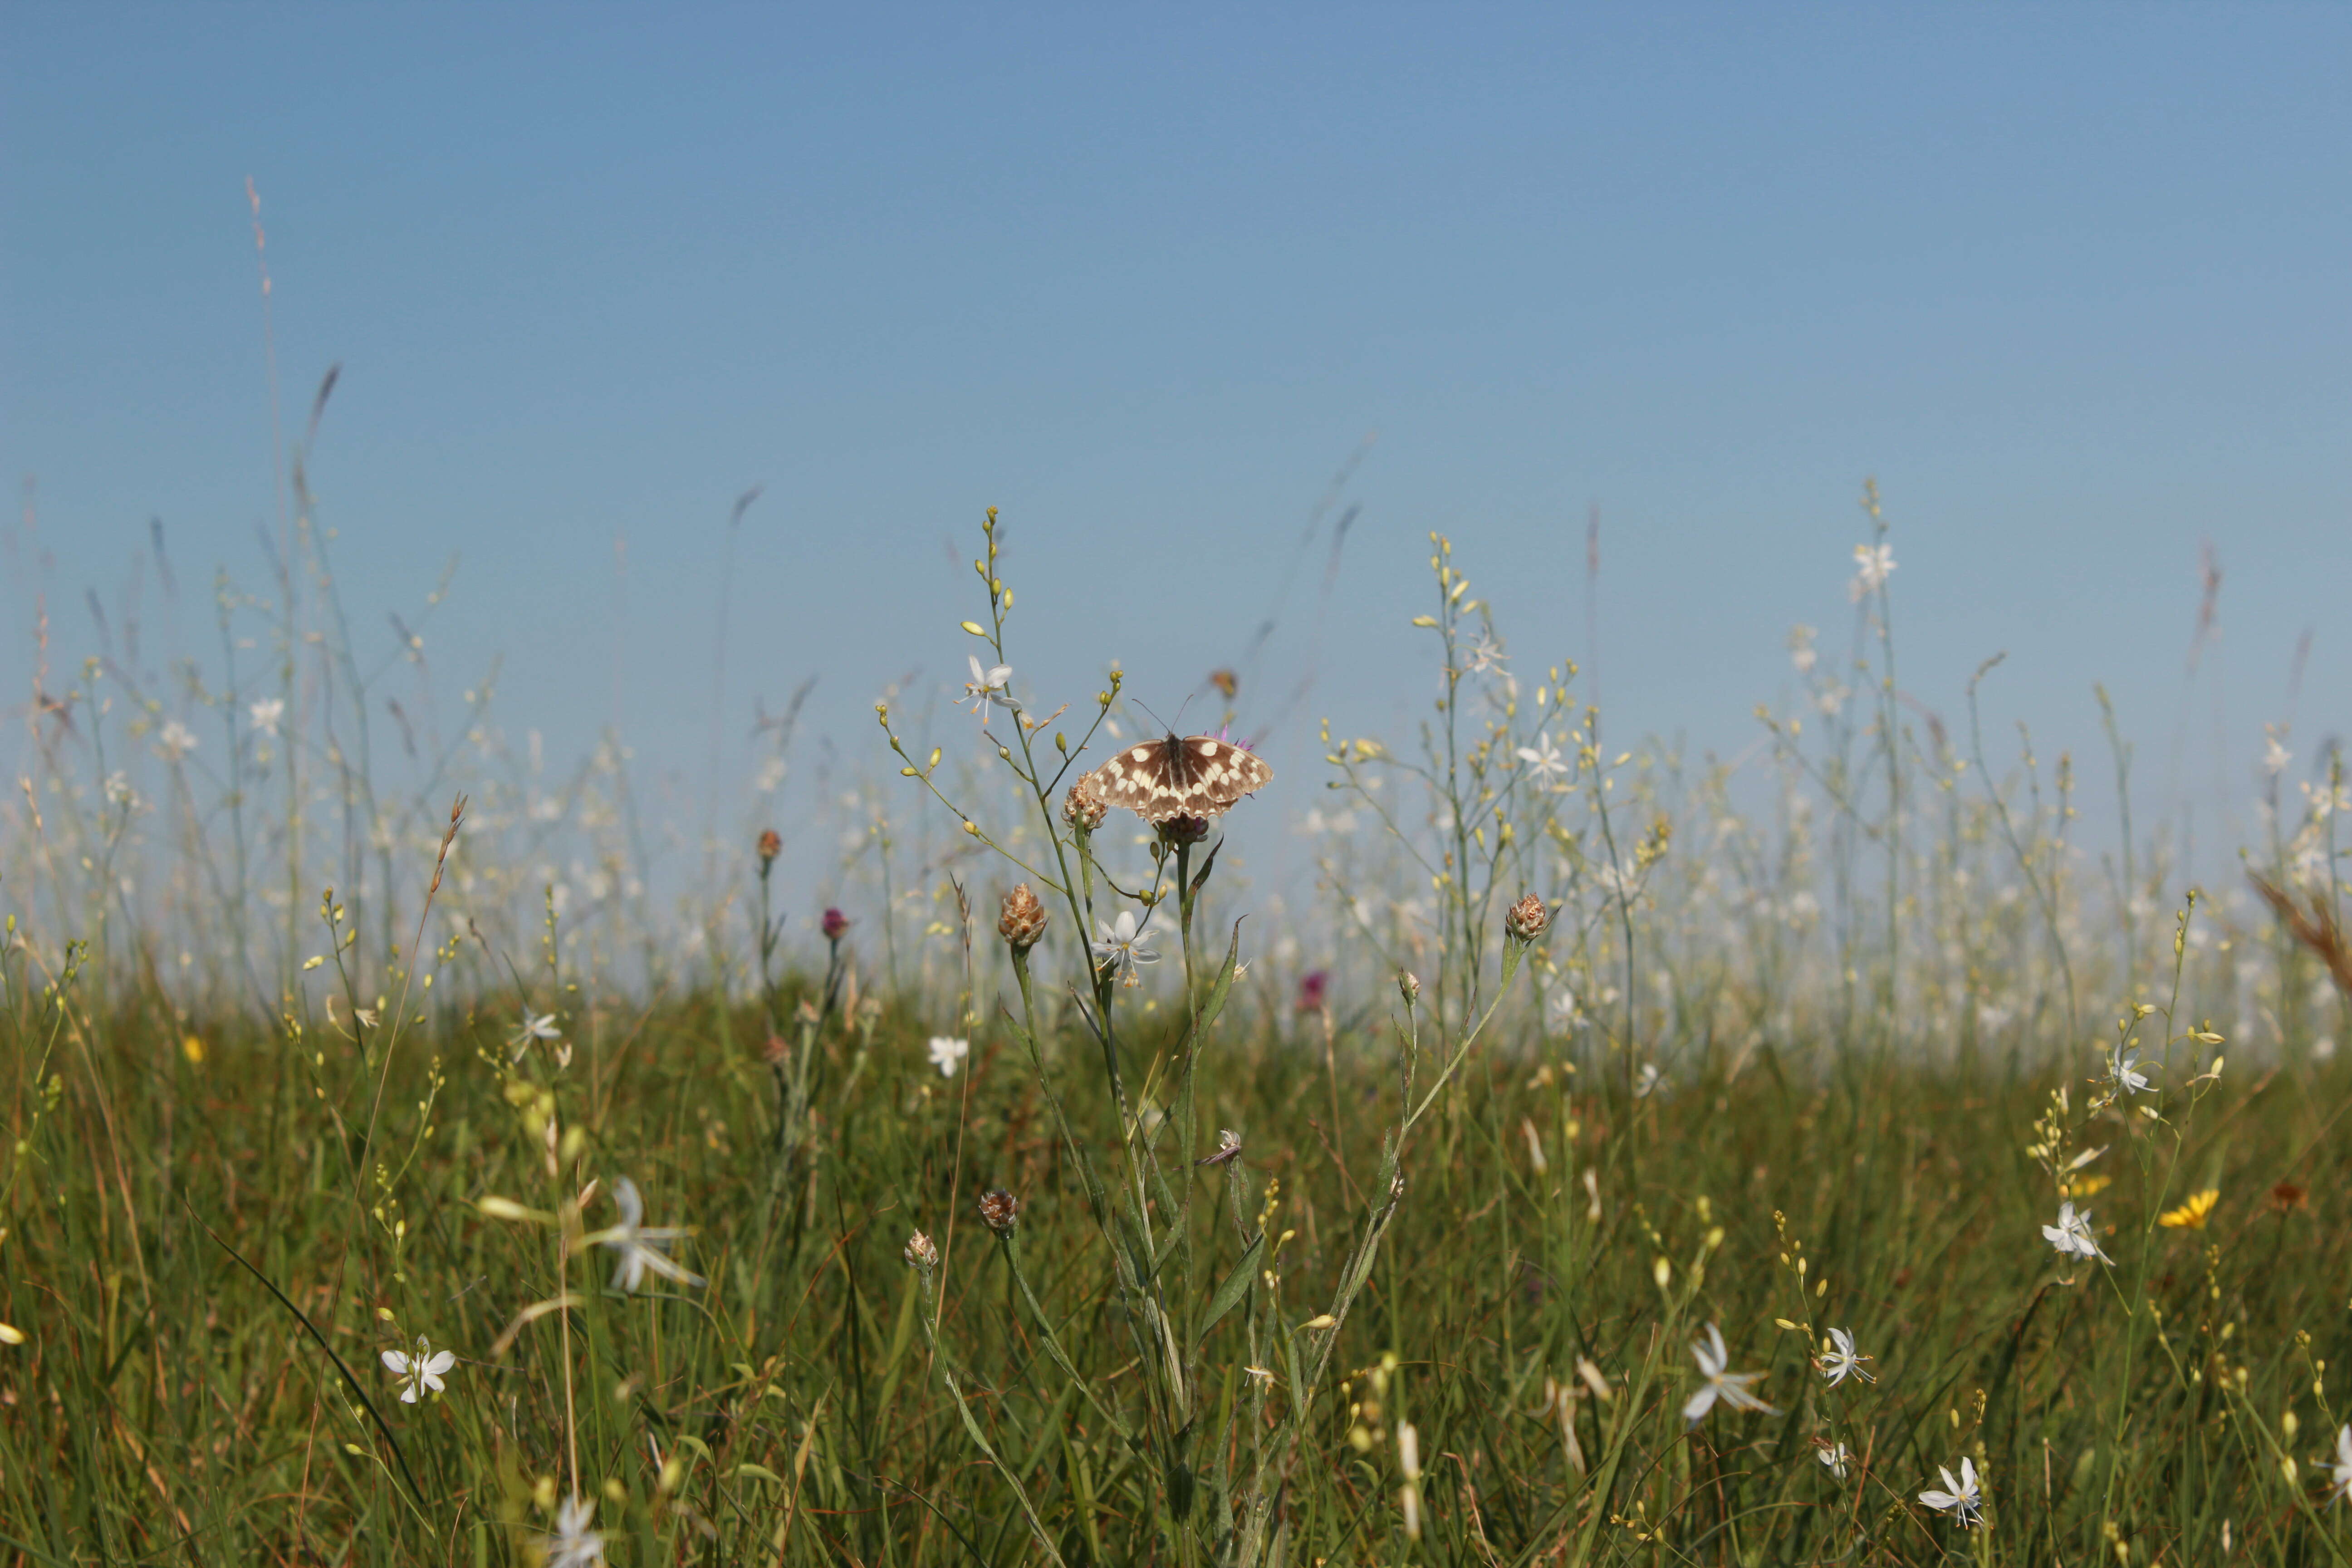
(758, 1472)
(1233, 1286)
(1220, 988)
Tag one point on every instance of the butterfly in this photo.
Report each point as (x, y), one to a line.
(1165, 779)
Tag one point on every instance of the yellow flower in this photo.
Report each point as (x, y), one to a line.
(2191, 1214)
(2084, 1185)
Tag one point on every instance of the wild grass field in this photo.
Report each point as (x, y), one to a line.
(1615, 1157)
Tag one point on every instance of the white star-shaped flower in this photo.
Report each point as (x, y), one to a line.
(1731, 1387)
(419, 1372)
(1873, 564)
(1835, 1457)
(989, 686)
(1841, 1359)
(573, 1544)
(1545, 761)
(641, 1246)
(1485, 654)
(267, 714)
(2072, 1235)
(1120, 946)
(1561, 1014)
(541, 1027)
(2124, 1078)
(1963, 1498)
(1647, 1084)
(2339, 1486)
(174, 741)
(945, 1052)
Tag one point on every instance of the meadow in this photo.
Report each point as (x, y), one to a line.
(1618, 1157)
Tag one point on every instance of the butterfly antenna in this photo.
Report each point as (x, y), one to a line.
(1154, 717)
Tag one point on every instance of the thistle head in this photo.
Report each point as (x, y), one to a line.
(1184, 830)
(836, 925)
(1021, 920)
(1081, 810)
(922, 1254)
(999, 1211)
(1528, 919)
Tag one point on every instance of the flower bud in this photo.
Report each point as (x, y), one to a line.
(1409, 983)
(1528, 919)
(1184, 829)
(836, 925)
(922, 1253)
(771, 844)
(1022, 920)
(999, 1211)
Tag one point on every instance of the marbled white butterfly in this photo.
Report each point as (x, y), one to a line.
(1165, 779)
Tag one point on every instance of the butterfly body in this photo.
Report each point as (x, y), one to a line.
(1162, 780)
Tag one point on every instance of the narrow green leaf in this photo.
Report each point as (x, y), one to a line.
(1234, 1286)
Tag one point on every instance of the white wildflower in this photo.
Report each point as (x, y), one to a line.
(1120, 946)
(2276, 756)
(2124, 1078)
(1963, 1498)
(1835, 1457)
(267, 714)
(1873, 564)
(1647, 1084)
(989, 686)
(2072, 1235)
(1545, 761)
(641, 1246)
(1841, 1359)
(541, 1027)
(573, 1544)
(174, 741)
(1731, 1387)
(945, 1052)
(2339, 1485)
(419, 1372)
(1485, 654)
(1561, 1014)
(1801, 652)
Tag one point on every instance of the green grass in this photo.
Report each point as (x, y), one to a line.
(1469, 1216)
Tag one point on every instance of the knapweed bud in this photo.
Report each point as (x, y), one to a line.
(836, 925)
(1184, 829)
(921, 1254)
(771, 844)
(999, 1211)
(1022, 920)
(1081, 810)
(1528, 919)
(1409, 986)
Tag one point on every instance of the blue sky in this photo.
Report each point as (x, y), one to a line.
(2070, 281)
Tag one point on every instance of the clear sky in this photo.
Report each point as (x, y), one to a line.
(2071, 281)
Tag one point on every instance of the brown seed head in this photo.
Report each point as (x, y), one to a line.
(1081, 810)
(1022, 920)
(1528, 919)
(1000, 1210)
(922, 1253)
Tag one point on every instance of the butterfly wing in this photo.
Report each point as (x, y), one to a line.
(1167, 778)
